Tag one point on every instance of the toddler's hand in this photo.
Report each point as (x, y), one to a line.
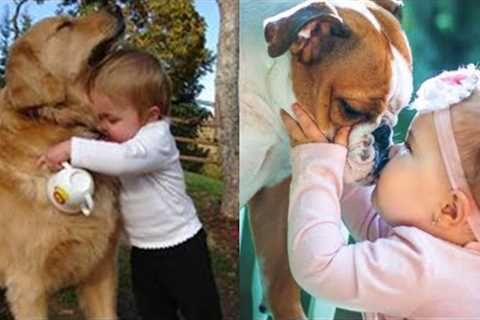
(55, 155)
(307, 131)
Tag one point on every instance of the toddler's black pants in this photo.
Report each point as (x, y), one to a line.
(176, 278)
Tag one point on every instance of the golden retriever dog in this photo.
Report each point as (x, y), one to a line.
(349, 63)
(42, 249)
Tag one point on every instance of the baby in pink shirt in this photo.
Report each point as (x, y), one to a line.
(418, 252)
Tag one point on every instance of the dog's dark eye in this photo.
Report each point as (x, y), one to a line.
(349, 111)
(65, 24)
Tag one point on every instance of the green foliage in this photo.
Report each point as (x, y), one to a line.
(443, 35)
(5, 35)
(212, 170)
(175, 31)
(26, 22)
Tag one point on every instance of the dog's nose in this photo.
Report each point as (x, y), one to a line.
(382, 135)
(381, 145)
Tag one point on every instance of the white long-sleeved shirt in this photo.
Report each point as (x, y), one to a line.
(393, 272)
(156, 210)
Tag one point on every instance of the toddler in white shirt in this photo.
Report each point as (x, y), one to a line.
(171, 269)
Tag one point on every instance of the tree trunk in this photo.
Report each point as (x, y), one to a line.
(226, 103)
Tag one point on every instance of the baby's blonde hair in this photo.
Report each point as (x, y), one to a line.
(466, 127)
(133, 77)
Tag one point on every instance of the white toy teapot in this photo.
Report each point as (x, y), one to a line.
(71, 190)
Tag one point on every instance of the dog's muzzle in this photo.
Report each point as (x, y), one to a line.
(368, 150)
(382, 145)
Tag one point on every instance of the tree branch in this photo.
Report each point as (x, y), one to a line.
(18, 8)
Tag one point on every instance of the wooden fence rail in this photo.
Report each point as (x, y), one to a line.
(211, 124)
(197, 141)
(210, 143)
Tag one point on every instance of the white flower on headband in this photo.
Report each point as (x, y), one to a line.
(448, 88)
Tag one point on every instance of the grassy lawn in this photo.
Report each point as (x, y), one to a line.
(222, 241)
(198, 185)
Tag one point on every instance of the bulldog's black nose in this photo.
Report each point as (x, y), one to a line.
(382, 144)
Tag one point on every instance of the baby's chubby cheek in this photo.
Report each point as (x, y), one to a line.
(389, 200)
(379, 197)
(379, 205)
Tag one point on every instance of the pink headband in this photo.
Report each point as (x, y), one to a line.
(453, 165)
(438, 94)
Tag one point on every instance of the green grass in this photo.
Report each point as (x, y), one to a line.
(200, 187)
(199, 183)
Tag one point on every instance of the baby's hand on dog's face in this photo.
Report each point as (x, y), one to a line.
(341, 137)
(303, 130)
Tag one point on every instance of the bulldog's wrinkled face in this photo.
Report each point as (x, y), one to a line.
(350, 66)
(46, 63)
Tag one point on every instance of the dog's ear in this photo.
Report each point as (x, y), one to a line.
(28, 84)
(393, 6)
(308, 30)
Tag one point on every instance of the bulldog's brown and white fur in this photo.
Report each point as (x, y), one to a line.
(350, 63)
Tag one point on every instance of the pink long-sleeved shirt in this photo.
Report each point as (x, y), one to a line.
(391, 272)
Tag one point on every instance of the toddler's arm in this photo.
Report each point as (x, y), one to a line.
(359, 215)
(368, 276)
(153, 148)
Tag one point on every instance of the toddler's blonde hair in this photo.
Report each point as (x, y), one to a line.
(133, 77)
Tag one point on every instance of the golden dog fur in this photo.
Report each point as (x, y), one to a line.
(41, 249)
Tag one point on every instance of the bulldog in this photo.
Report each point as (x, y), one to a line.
(349, 63)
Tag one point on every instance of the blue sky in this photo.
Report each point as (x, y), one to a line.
(208, 9)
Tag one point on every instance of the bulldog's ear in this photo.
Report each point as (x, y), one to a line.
(309, 31)
(394, 6)
(28, 84)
